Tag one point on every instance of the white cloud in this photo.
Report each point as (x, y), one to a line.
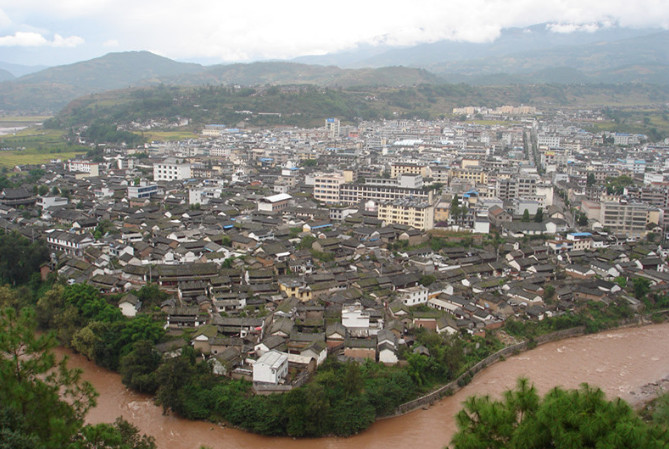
(32, 39)
(269, 29)
(571, 27)
(23, 39)
(70, 42)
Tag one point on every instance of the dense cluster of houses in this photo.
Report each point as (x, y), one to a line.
(281, 248)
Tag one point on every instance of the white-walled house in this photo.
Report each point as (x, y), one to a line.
(129, 305)
(413, 296)
(271, 367)
(354, 316)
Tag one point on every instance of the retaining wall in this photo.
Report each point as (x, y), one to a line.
(466, 377)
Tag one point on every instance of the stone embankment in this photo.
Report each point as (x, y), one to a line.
(466, 377)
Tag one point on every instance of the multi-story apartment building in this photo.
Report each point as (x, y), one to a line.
(471, 174)
(326, 186)
(332, 127)
(171, 169)
(72, 244)
(409, 212)
(628, 218)
(549, 141)
(517, 186)
(440, 173)
(554, 157)
(400, 168)
(355, 193)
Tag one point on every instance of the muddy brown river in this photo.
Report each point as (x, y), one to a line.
(620, 362)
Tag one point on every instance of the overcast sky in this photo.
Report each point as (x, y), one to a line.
(50, 32)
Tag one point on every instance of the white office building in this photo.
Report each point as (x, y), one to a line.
(171, 169)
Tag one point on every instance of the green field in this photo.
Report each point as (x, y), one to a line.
(651, 122)
(27, 119)
(39, 145)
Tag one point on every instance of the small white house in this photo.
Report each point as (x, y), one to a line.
(387, 354)
(387, 347)
(129, 305)
(318, 351)
(271, 367)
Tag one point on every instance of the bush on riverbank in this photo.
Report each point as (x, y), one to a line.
(342, 399)
(595, 316)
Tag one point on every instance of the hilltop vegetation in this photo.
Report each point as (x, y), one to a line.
(306, 105)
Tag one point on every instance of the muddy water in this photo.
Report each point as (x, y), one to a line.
(620, 362)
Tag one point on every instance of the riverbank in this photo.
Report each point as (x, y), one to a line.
(462, 380)
(620, 361)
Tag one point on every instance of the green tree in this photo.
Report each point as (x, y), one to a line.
(621, 281)
(427, 280)
(20, 258)
(616, 186)
(120, 435)
(172, 376)
(576, 419)
(641, 287)
(138, 367)
(526, 216)
(455, 211)
(590, 180)
(48, 399)
(539, 216)
(306, 242)
(151, 296)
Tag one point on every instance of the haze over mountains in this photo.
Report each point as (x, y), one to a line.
(536, 54)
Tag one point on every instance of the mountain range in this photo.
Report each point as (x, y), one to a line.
(537, 54)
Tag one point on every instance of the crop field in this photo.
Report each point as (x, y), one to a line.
(35, 146)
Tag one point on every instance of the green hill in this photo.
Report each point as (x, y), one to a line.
(51, 89)
(112, 71)
(307, 105)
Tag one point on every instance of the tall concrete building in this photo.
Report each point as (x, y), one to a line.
(626, 218)
(406, 211)
(332, 127)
